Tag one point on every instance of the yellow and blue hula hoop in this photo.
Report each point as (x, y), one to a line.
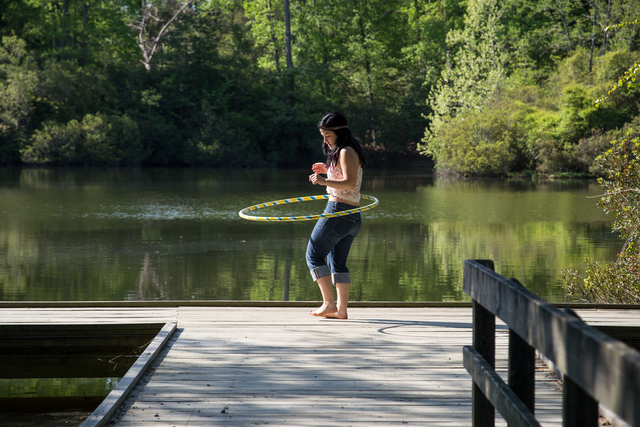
(243, 212)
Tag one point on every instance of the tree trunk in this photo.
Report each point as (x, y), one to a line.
(273, 37)
(65, 13)
(416, 19)
(593, 33)
(367, 62)
(54, 39)
(287, 22)
(603, 49)
(565, 25)
(85, 26)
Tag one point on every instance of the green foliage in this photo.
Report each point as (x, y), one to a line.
(67, 91)
(224, 141)
(555, 125)
(484, 144)
(556, 51)
(18, 81)
(628, 77)
(219, 92)
(618, 281)
(477, 69)
(98, 140)
(621, 186)
(266, 18)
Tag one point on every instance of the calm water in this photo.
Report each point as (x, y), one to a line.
(148, 234)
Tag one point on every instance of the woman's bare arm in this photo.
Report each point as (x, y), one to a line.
(348, 162)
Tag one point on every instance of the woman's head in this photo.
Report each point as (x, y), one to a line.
(336, 136)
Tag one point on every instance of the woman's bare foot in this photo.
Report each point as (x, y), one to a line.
(325, 309)
(336, 315)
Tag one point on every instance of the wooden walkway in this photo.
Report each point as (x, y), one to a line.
(281, 367)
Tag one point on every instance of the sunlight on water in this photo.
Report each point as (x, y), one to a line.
(175, 234)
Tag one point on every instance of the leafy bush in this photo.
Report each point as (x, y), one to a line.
(550, 127)
(222, 141)
(18, 81)
(589, 149)
(489, 143)
(618, 281)
(67, 91)
(99, 140)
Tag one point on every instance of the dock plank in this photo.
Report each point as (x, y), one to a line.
(283, 367)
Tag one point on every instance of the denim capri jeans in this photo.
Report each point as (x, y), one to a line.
(331, 239)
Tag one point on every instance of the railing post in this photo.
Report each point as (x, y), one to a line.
(579, 409)
(484, 341)
(522, 368)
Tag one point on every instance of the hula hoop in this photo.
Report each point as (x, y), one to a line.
(243, 212)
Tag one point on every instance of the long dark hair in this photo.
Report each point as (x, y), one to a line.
(337, 123)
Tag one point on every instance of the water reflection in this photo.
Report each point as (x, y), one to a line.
(120, 234)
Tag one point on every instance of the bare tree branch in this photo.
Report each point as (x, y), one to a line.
(148, 43)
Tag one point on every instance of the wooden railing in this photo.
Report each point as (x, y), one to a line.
(596, 367)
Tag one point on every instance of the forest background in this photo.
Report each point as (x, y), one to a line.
(488, 87)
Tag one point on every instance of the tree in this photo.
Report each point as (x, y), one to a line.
(562, 14)
(18, 82)
(154, 23)
(287, 34)
(474, 72)
(628, 79)
(267, 28)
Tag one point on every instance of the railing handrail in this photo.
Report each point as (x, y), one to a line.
(605, 368)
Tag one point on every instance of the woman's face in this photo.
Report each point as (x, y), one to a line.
(329, 137)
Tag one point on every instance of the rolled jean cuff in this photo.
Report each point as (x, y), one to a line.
(320, 272)
(341, 278)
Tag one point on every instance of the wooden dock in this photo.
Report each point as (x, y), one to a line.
(246, 366)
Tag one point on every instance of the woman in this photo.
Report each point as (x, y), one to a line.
(332, 237)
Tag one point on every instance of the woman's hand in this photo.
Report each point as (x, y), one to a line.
(319, 168)
(317, 179)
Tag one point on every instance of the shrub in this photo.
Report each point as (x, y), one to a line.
(99, 140)
(18, 81)
(489, 143)
(68, 91)
(589, 149)
(618, 281)
(224, 141)
(552, 156)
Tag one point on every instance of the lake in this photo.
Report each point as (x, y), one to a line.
(175, 234)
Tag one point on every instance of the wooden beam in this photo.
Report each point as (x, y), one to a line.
(522, 367)
(242, 303)
(578, 408)
(522, 370)
(96, 329)
(65, 366)
(108, 407)
(499, 394)
(484, 341)
(81, 340)
(225, 303)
